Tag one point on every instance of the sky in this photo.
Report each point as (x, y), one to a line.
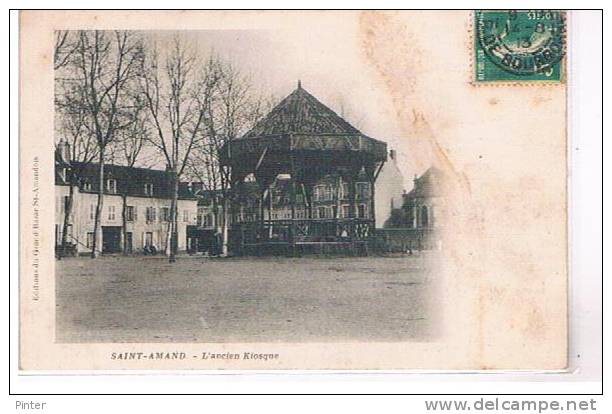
(333, 71)
(326, 58)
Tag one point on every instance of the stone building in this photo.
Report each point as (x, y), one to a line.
(419, 221)
(389, 190)
(146, 195)
(424, 203)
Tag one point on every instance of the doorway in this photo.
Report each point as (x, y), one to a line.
(128, 242)
(111, 239)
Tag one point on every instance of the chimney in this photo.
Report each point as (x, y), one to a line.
(393, 155)
(63, 149)
(67, 152)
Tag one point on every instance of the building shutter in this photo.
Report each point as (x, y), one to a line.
(144, 239)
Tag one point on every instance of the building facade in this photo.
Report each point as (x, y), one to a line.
(418, 224)
(424, 205)
(139, 197)
(389, 194)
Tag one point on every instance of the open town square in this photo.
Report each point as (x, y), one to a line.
(250, 299)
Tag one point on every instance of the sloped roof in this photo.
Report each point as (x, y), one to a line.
(301, 113)
(130, 180)
(427, 185)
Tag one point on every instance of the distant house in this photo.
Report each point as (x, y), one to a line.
(417, 224)
(147, 194)
(424, 203)
(389, 190)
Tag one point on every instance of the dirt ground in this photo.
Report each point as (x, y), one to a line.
(197, 299)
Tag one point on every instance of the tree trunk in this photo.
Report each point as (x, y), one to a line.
(373, 203)
(174, 218)
(124, 223)
(67, 211)
(225, 229)
(215, 216)
(337, 197)
(97, 240)
(270, 207)
(168, 239)
(307, 193)
(353, 197)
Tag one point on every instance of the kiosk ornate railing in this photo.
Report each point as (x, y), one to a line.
(296, 231)
(405, 239)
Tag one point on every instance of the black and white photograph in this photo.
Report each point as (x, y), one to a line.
(269, 190)
(206, 193)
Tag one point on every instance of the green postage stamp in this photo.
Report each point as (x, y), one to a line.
(519, 45)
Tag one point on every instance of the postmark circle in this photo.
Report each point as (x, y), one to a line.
(522, 42)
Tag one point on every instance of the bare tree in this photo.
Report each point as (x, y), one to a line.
(127, 147)
(65, 46)
(232, 108)
(76, 146)
(106, 66)
(175, 94)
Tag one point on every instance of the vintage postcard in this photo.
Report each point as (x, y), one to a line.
(265, 190)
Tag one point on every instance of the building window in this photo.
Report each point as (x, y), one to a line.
(164, 214)
(363, 190)
(148, 189)
(410, 216)
(90, 240)
(345, 191)
(362, 211)
(111, 185)
(319, 193)
(150, 214)
(186, 216)
(432, 216)
(321, 212)
(86, 186)
(92, 211)
(111, 212)
(130, 213)
(424, 217)
(346, 211)
(148, 241)
(328, 192)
